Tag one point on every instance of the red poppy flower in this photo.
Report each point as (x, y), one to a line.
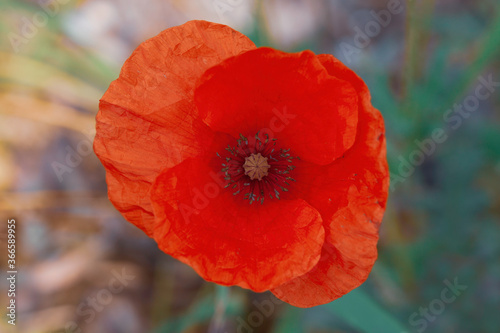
(257, 168)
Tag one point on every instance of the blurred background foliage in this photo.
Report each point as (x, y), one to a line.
(57, 57)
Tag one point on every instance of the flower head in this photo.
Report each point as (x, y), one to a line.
(257, 168)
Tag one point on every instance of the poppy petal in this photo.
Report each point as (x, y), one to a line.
(147, 120)
(350, 194)
(226, 239)
(290, 96)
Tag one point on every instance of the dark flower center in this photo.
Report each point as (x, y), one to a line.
(256, 169)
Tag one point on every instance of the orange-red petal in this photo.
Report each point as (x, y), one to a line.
(291, 96)
(350, 194)
(224, 238)
(147, 120)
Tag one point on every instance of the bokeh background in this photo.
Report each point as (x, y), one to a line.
(82, 268)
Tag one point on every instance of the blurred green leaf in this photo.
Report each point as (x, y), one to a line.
(290, 321)
(363, 314)
(202, 312)
(488, 52)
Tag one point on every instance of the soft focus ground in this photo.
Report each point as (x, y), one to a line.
(443, 217)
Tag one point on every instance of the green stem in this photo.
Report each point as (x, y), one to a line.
(487, 52)
(221, 301)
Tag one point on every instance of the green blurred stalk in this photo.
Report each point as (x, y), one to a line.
(221, 302)
(488, 51)
(417, 36)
